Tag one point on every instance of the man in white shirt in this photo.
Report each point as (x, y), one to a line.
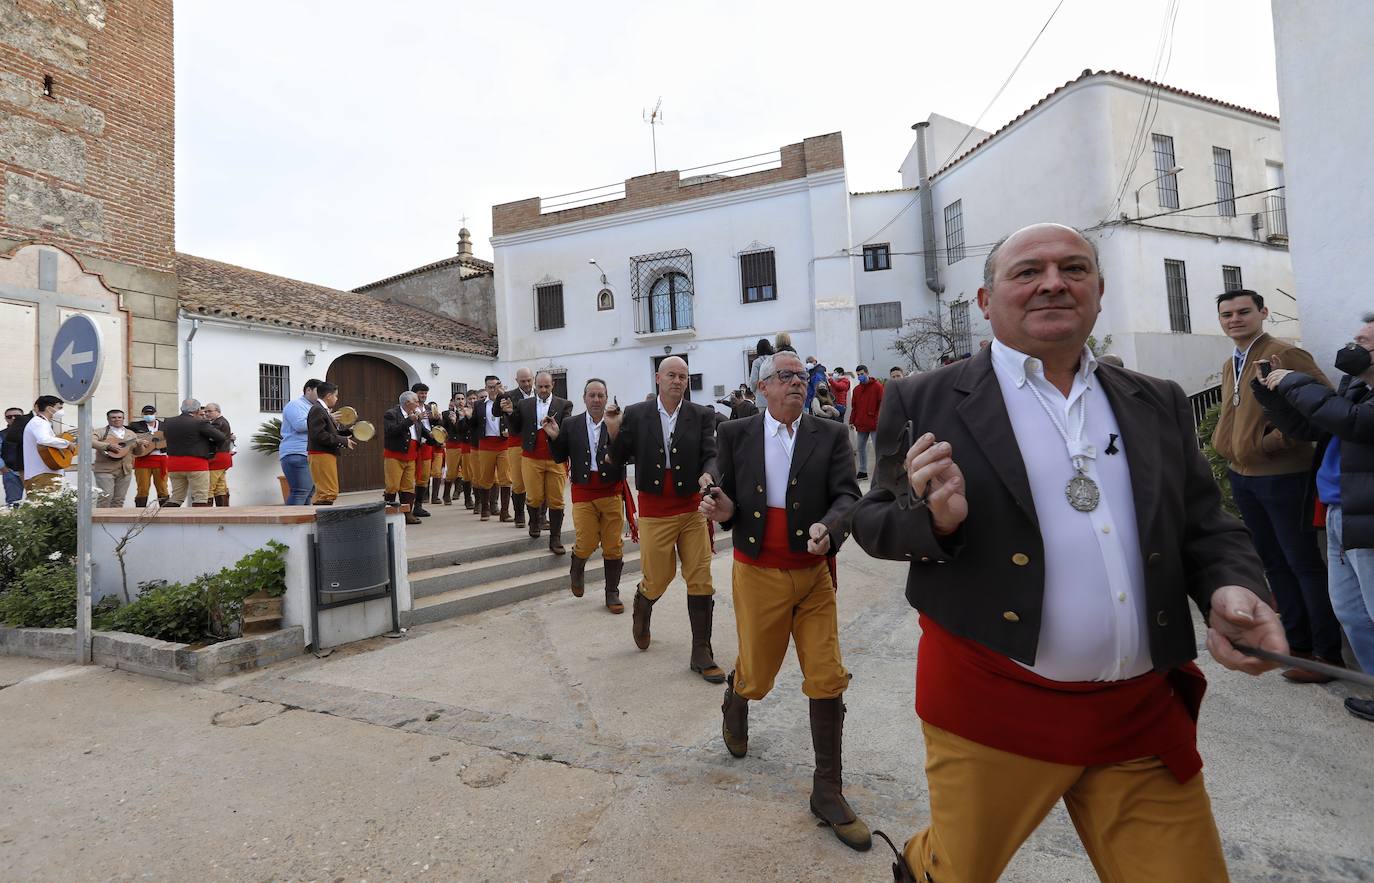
(39, 476)
(113, 466)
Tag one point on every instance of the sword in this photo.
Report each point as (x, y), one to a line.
(1332, 671)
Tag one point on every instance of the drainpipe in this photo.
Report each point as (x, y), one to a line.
(195, 326)
(932, 265)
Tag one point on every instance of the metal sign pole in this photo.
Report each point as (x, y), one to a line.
(85, 488)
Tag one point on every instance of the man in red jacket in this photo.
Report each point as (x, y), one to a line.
(865, 399)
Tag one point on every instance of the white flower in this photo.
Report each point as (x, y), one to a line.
(55, 556)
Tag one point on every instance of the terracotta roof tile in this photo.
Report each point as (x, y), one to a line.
(212, 288)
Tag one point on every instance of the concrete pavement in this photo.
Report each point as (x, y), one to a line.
(535, 742)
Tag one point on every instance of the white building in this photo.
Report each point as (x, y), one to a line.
(1321, 48)
(250, 340)
(703, 266)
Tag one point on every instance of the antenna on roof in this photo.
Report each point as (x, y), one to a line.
(655, 118)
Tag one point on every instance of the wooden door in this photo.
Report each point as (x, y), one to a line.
(371, 387)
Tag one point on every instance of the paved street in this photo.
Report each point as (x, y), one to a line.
(534, 742)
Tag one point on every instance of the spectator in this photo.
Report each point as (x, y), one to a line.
(866, 399)
(1342, 479)
(761, 349)
(747, 406)
(815, 377)
(782, 342)
(12, 451)
(839, 388)
(823, 405)
(295, 463)
(1268, 475)
(895, 373)
(38, 475)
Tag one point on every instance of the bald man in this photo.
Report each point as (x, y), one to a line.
(672, 443)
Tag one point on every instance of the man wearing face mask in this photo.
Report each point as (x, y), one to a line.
(1267, 471)
(1341, 480)
(865, 399)
(39, 476)
(150, 470)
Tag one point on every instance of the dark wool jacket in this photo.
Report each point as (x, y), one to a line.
(396, 431)
(322, 433)
(692, 446)
(574, 446)
(1303, 408)
(522, 419)
(189, 436)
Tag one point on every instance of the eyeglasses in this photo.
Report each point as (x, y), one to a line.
(788, 376)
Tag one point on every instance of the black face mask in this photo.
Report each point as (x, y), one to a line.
(1353, 359)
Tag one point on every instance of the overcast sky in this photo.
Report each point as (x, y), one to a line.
(341, 142)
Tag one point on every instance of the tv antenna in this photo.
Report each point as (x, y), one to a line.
(655, 118)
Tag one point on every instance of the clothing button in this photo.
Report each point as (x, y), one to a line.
(1106, 528)
(794, 481)
(655, 481)
(1010, 616)
(924, 560)
(759, 488)
(1121, 596)
(674, 450)
(799, 533)
(1020, 559)
(758, 515)
(1153, 559)
(1162, 618)
(751, 539)
(796, 505)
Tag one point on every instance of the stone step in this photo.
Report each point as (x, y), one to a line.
(476, 598)
(532, 557)
(517, 541)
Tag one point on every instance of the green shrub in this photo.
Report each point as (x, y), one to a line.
(30, 535)
(1215, 460)
(44, 597)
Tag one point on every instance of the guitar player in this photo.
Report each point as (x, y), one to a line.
(38, 475)
(114, 464)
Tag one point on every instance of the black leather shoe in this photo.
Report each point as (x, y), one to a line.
(1361, 708)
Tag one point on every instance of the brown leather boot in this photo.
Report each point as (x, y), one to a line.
(536, 521)
(519, 500)
(613, 570)
(435, 486)
(577, 575)
(643, 612)
(140, 502)
(421, 495)
(734, 725)
(223, 500)
(556, 532)
(901, 871)
(448, 493)
(484, 502)
(703, 660)
(408, 498)
(467, 493)
(827, 798)
(505, 504)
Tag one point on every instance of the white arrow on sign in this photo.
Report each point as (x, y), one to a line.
(69, 359)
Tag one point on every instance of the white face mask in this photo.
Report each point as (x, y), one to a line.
(57, 415)
(810, 365)
(149, 418)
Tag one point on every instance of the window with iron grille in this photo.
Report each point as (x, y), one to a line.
(885, 315)
(1230, 279)
(877, 257)
(1164, 161)
(548, 306)
(274, 385)
(1176, 279)
(1226, 188)
(961, 334)
(697, 384)
(662, 291)
(560, 383)
(457, 389)
(954, 231)
(758, 276)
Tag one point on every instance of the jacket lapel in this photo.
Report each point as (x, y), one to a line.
(804, 445)
(985, 414)
(1139, 420)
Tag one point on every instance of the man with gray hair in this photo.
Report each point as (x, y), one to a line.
(401, 437)
(223, 460)
(191, 443)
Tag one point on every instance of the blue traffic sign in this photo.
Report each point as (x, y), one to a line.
(76, 358)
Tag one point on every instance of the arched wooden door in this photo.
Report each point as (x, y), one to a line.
(371, 387)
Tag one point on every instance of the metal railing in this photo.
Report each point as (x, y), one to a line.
(1276, 218)
(1204, 401)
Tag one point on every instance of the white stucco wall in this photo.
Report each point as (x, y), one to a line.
(224, 361)
(1323, 54)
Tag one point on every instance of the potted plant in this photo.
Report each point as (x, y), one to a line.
(259, 578)
(267, 440)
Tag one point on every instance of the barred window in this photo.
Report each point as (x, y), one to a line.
(560, 383)
(1230, 279)
(877, 257)
(885, 315)
(662, 291)
(457, 389)
(274, 387)
(961, 334)
(548, 301)
(697, 384)
(758, 276)
(1176, 280)
(1164, 162)
(1226, 188)
(954, 231)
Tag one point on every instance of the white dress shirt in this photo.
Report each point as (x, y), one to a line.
(39, 432)
(669, 423)
(593, 439)
(779, 441)
(1093, 624)
(493, 427)
(541, 410)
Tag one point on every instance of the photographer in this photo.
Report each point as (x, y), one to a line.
(1342, 478)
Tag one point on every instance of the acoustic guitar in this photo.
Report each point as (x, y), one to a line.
(59, 458)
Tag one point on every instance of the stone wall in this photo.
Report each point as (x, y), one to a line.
(87, 132)
(445, 291)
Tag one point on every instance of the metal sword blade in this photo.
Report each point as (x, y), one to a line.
(1344, 674)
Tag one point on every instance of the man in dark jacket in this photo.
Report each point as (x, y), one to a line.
(786, 490)
(325, 440)
(1058, 518)
(401, 437)
(544, 478)
(1342, 423)
(191, 443)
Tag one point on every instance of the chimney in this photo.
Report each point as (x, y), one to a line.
(464, 242)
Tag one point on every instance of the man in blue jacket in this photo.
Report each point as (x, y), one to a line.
(295, 463)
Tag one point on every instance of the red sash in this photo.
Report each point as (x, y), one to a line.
(187, 464)
(413, 453)
(595, 488)
(666, 504)
(492, 443)
(152, 461)
(777, 552)
(541, 447)
(222, 460)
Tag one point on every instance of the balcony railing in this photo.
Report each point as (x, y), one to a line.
(1275, 219)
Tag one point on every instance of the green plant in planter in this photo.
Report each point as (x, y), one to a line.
(44, 597)
(267, 440)
(44, 526)
(1218, 463)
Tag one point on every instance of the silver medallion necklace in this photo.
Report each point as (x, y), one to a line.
(1082, 492)
(1238, 368)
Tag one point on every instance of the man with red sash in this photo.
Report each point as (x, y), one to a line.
(191, 443)
(223, 460)
(401, 437)
(150, 470)
(487, 432)
(469, 449)
(672, 443)
(424, 457)
(1059, 518)
(453, 449)
(531, 420)
(325, 440)
(786, 489)
(524, 388)
(597, 488)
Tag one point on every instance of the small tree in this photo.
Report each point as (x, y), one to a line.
(924, 342)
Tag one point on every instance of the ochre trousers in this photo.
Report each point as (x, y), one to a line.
(219, 484)
(324, 471)
(156, 477)
(1137, 823)
(422, 466)
(772, 605)
(453, 464)
(543, 484)
(191, 487)
(662, 541)
(436, 463)
(470, 470)
(599, 522)
(399, 475)
(515, 470)
(493, 469)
